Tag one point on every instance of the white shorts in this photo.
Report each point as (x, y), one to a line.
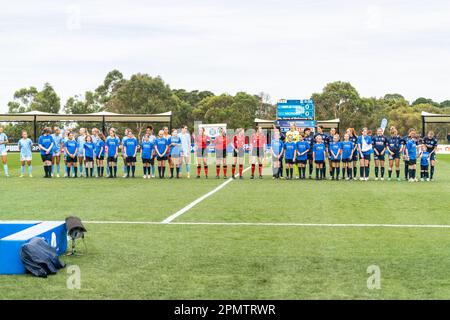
(25, 158)
(56, 154)
(4, 152)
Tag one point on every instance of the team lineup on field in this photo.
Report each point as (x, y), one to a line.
(299, 151)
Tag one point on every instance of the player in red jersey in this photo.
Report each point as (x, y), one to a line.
(201, 151)
(257, 147)
(238, 152)
(220, 144)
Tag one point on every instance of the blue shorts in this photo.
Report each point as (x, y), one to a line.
(378, 157)
(366, 156)
(394, 156)
(433, 156)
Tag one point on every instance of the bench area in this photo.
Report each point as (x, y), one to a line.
(13, 234)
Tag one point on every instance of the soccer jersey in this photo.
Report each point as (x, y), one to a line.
(130, 145)
(310, 140)
(277, 146)
(334, 149)
(289, 149)
(411, 146)
(175, 146)
(57, 138)
(258, 140)
(431, 144)
(394, 143)
(185, 143)
(201, 142)
(99, 148)
(319, 151)
(161, 145)
(238, 142)
(81, 140)
(89, 149)
(147, 149)
(295, 135)
(3, 138)
(112, 144)
(221, 142)
(302, 147)
(425, 158)
(379, 143)
(25, 146)
(71, 146)
(46, 142)
(367, 146)
(124, 140)
(347, 148)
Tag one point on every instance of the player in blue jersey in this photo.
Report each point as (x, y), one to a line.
(353, 137)
(348, 148)
(175, 153)
(71, 152)
(379, 143)
(335, 153)
(425, 159)
(46, 146)
(161, 149)
(100, 154)
(319, 156)
(147, 151)
(57, 139)
(130, 147)
(404, 141)
(365, 150)
(324, 141)
(394, 147)
(112, 148)
(301, 155)
(431, 143)
(411, 156)
(25, 148)
(289, 156)
(329, 140)
(309, 138)
(88, 155)
(3, 151)
(277, 149)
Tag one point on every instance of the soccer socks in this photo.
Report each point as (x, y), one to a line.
(406, 170)
(75, 170)
(382, 172)
(86, 170)
(30, 170)
(68, 172)
(389, 173)
(81, 168)
(115, 171)
(260, 169)
(188, 168)
(241, 167)
(310, 169)
(291, 172)
(217, 170)
(128, 171)
(98, 171)
(91, 171)
(233, 170)
(361, 172)
(253, 169)
(153, 169)
(225, 169)
(333, 170)
(431, 172)
(349, 172)
(160, 172)
(5, 168)
(58, 168)
(376, 172)
(22, 170)
(133, 170)
(110, 169)
(338, 173)
(367, 171)
(397, 173)
(205, 168)
(287, 172)
(163, 171)
(199, 168)
(355, 171)
(317, 173)
(171, 172)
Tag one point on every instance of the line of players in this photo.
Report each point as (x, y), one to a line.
(296, 147)
(300, 148)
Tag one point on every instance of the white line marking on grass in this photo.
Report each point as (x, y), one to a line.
(194, 203)
(281, 224)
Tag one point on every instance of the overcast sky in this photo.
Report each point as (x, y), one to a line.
(288, 49)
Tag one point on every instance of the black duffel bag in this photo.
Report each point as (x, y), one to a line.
(39, 258)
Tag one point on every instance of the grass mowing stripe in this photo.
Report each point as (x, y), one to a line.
(194, 203)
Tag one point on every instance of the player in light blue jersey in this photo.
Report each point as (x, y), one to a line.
(302, 155)
(161, 149)
(425, 158)
(175, 153)
(130, 146)
(277, 149)
(89, 149)
(185, 137)
(335, 151)
(56, 160)
(25, 148)
(319, 156)
(348, 148)
(411, 156)
(71, 152)
(112, 150)
(81, 140)
(3, 151)
(365, 149)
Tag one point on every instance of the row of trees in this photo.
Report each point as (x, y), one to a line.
(142, 93)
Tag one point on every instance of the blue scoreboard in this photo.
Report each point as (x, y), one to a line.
(295, 110)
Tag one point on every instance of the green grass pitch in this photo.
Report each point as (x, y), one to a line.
(189, 259)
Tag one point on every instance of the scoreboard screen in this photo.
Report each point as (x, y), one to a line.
(296, 109)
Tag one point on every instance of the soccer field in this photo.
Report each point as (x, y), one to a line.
(252, 239)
